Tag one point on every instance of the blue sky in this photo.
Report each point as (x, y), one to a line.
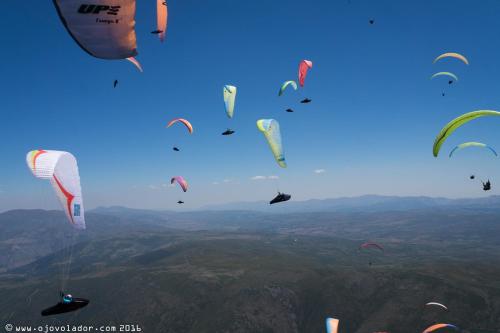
(371, 124)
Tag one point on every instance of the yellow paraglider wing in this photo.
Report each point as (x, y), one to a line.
(271, 130)
(229, 98)
(456, 123)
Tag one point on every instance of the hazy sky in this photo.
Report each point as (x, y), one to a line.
(369, 128)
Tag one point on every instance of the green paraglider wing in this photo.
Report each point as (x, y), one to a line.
(456, 123)
(285, 85)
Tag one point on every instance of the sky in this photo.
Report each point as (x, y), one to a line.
(369, 129)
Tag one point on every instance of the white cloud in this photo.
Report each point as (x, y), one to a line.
(153, 187)
(215, 183)
(264, 177)
(318, 171)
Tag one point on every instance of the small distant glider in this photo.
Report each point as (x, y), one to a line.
(452, 55)
(439, 326)
(306, 100)
(289, 110)
(183, 121)
(437, 304)
(181, 181)
(472, 144)
(370, 245)
(285, 85)
(449, 74)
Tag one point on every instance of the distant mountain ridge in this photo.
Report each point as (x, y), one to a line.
(368, 203)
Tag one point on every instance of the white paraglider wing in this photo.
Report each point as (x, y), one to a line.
(103, 28)
(62, 170)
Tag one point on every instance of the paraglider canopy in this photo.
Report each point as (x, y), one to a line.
(104, 30)
(184, 122)
(229, 94)
(449, 128)
(271, 130)
(453, 76)
(181, 181)
(304, 66)
(436, 304)
(472, 144)
(61, 169)
(452, 55)
(439, 326)
(285, 85)
(161, 19)
(332, 325)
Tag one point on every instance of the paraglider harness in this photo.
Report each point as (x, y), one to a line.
(487, 186)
